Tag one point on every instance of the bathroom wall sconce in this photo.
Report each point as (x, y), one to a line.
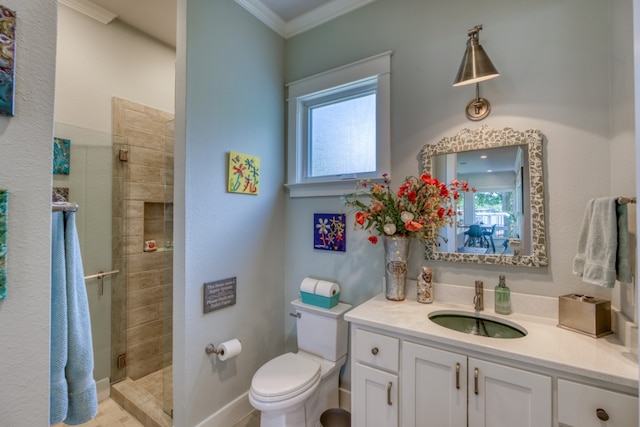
(475, 68)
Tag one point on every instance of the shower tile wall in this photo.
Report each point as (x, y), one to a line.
(143, 187)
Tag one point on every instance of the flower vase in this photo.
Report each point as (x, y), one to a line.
(396, 251)
(424, 286)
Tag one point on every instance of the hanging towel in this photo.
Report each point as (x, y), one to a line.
(83, 397)
(58, 400)
(595, 261)
(81, 401)
(623, 268)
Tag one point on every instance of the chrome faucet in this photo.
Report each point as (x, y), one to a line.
(478, 298)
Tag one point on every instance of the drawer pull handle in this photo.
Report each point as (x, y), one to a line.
(375, 351)
(458, 376)
(389, 385)
(476, 372)
(602, 414)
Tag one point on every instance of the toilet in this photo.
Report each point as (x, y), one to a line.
(294, 389)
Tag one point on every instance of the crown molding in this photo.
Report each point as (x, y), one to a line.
(90, 9)
(322, 14)
(304, 22)
(264, 14)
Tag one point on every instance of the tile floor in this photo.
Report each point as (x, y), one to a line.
(110, 414)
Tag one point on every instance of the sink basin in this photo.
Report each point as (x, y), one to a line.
(477, 324)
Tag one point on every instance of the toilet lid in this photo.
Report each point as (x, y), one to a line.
(285, 375)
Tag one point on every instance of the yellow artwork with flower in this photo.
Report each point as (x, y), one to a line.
(244, 173)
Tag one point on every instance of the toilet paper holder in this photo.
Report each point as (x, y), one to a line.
(211, 349)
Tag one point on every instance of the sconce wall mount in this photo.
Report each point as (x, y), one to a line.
(475, 68)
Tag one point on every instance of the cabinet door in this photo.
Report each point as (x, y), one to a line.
(375, 397)
(500, 396)
(434, 387)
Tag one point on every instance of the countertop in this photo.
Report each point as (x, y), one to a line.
(545, 345)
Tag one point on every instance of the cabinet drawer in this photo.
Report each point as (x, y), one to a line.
(578, 406)
(377, 350)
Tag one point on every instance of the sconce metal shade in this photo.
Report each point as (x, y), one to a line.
(476, 65)
(475, 68)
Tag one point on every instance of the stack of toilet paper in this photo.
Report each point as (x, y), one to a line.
(320, 293)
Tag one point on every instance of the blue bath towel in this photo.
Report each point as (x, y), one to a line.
(58, 390)
(81, 400)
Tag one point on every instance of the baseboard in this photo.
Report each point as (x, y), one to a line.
(103, 387)
(230, 414)
(345, 399)
(239, 408)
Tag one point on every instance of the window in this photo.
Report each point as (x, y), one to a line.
(339, 128)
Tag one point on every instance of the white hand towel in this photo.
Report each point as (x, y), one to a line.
(595, 261)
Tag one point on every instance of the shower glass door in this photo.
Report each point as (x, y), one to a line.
(84, 176)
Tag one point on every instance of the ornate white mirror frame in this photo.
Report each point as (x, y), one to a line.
(486, 138)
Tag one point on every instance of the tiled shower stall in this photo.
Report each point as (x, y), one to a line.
(141, 331)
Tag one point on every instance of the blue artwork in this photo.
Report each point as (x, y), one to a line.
(4, 225)
(61, 156)
(329, 232)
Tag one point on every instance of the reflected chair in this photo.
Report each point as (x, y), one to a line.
(474, 236)
(489, 234)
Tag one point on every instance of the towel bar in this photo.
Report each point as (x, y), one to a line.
(100, 276)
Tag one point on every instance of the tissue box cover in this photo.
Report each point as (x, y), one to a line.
(319, 300)
(587, 315)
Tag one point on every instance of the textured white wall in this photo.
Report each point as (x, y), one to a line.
(96, 62)
(557, 62)
(233, 100)
(25, 170)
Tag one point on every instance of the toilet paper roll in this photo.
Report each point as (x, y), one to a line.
(308, 285)
(229, 349)
(327, 289)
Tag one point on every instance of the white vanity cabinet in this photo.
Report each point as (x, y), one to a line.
(375, 367)
(448, 389)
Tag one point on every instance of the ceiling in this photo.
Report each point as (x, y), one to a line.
(157, 18)
(501, 159)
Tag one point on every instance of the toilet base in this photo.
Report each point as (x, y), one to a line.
(308, 414)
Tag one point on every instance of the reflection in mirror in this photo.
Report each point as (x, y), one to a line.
(503, 221)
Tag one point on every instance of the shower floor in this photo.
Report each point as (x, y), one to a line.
(144, 398)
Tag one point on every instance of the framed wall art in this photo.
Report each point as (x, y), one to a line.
(329, 232)
(61, 156)
(4, 225)
(7, 60)
(244, 173)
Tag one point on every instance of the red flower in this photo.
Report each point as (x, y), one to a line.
(411, 195)
(412, 226)
(373, 239)
(361, 217)
(440, 212)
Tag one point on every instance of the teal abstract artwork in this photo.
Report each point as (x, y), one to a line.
(7, 60)
(61, 156)
(4, 224)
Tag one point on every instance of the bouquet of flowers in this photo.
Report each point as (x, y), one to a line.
(420, 207)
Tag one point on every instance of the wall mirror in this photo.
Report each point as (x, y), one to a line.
(503, 222)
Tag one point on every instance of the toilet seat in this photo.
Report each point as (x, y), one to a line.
(284, 377)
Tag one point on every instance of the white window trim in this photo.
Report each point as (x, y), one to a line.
(376, 66)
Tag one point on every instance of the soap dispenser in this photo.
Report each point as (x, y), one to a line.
(502, 297)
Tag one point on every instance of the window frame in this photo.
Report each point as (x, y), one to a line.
(373, 72)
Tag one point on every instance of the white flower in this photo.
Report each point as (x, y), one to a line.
(389, 229)
(406, 216)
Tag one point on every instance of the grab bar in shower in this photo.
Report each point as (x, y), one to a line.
(100, 276)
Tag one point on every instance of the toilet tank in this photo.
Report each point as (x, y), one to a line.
(322, 331)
